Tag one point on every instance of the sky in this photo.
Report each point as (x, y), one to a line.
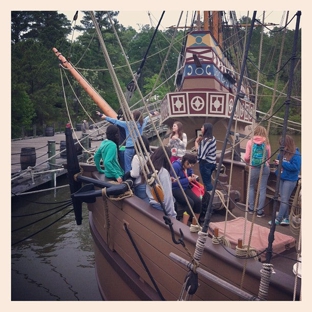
(137, 19)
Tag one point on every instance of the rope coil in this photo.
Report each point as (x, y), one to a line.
(246, 251)
(221, 240)
(266, 273)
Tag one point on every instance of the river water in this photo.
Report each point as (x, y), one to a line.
(51, 257)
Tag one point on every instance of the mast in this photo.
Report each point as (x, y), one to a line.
(100, 102)
(212, 23)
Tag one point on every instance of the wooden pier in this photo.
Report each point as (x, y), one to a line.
(44, 170)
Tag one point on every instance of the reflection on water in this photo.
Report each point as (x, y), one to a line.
(58, 262)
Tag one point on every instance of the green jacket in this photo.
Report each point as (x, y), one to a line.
(108, 153)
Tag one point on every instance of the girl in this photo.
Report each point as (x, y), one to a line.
(206, 154)
(260, 138)
(291, 166)
(177, 141)
(137, 166)
(161, 164)
(108, 152)
(184, 172)
(131, 133)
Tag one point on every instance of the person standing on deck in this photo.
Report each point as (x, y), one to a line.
(131, 132)
(84, 126)
(206, 154)
(177, 141)
(108, 152)
(260, 138)
(291, 166)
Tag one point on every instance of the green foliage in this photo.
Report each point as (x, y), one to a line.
(22, 110)
(47, 95)
(153, 83)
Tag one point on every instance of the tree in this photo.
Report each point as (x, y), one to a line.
(22, 110)
(34, 66)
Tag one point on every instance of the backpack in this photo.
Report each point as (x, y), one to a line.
(257, 154)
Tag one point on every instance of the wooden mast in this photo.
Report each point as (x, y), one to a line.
(100, 102)
(206, 18)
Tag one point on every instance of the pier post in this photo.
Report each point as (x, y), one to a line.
(86, 144)
(51, 153)
(52, 161)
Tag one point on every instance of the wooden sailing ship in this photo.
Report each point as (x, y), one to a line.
(142, 254)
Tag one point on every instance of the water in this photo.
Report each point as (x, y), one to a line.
(56, 264)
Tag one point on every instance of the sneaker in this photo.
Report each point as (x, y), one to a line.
(260, 215)
(285, 221)
(250, 211)
(194, 228)
(276, 222)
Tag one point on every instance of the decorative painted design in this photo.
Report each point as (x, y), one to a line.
(178, 103)
(208, 104)
(199, 71)
(216, 103)
(204, 54)
(207, 70)
(230, 105)
(199, 39)
(197, 102)
(249, 111)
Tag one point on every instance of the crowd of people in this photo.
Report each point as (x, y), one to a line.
(173, 168)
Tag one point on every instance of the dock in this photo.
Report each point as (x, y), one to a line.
(44, 170)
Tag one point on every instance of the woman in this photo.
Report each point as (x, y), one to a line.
(131, 132)
(184, 172)
(291, 166)
(253, 157)
(137, 167)
(161, 164)
(206, 154)
(108, 152)
(177, 141)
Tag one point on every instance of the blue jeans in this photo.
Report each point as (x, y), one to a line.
(206, 169)
(129, 152)
(140, 191)
(254, 176)
(285, 189)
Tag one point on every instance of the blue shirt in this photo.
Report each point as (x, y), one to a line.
(291, 168)
(130, 128)
(178, 168)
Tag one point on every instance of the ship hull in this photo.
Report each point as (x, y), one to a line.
(122, 275)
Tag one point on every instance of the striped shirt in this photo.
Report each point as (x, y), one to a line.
(207, 150)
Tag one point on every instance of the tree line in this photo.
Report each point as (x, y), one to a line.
(41, 96)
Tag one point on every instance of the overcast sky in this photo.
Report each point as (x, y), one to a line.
(137, 19)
